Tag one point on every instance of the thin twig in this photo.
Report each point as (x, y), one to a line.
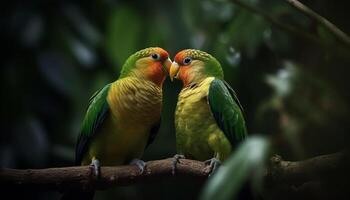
(330, 48)
(339, 34)
(295, 31)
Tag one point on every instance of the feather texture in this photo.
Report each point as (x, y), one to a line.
(97, 111)
(209, 118)
(227, 111)
(197, 134)
(119, 122)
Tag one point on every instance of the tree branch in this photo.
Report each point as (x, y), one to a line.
(82, 177)
(322, 177)
(298, 172)
(339, 34)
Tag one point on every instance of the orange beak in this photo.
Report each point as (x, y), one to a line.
(174, 70)
(167, 64)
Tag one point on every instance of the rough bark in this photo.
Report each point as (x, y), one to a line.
(81, 177)
(299, 172)
(279, 173)
(321, 177)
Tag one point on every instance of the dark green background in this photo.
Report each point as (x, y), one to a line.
(55, 54)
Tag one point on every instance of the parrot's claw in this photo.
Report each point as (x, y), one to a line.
(96, 167)
(214, 164)
(139, 163)
(176, 159)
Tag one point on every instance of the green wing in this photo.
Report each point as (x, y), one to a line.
(227, 111)
(97, 111)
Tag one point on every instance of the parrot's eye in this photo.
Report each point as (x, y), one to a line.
(155, 56)
(187, 61)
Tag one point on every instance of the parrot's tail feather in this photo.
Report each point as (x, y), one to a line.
(78, 194)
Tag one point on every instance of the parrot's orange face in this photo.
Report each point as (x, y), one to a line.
(187, 67)
(154, 65)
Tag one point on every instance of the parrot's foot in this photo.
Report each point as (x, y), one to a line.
(96, 167)
(139, 163)
(176, 159)
(214, 164)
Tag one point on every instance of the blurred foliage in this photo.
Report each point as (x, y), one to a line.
(247, 162)
(57, 53)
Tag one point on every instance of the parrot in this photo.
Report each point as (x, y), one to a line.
(209, 119)
(124, 116)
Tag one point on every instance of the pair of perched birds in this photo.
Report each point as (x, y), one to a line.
(124, 116)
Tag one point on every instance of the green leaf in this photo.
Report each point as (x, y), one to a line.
(248, 160)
